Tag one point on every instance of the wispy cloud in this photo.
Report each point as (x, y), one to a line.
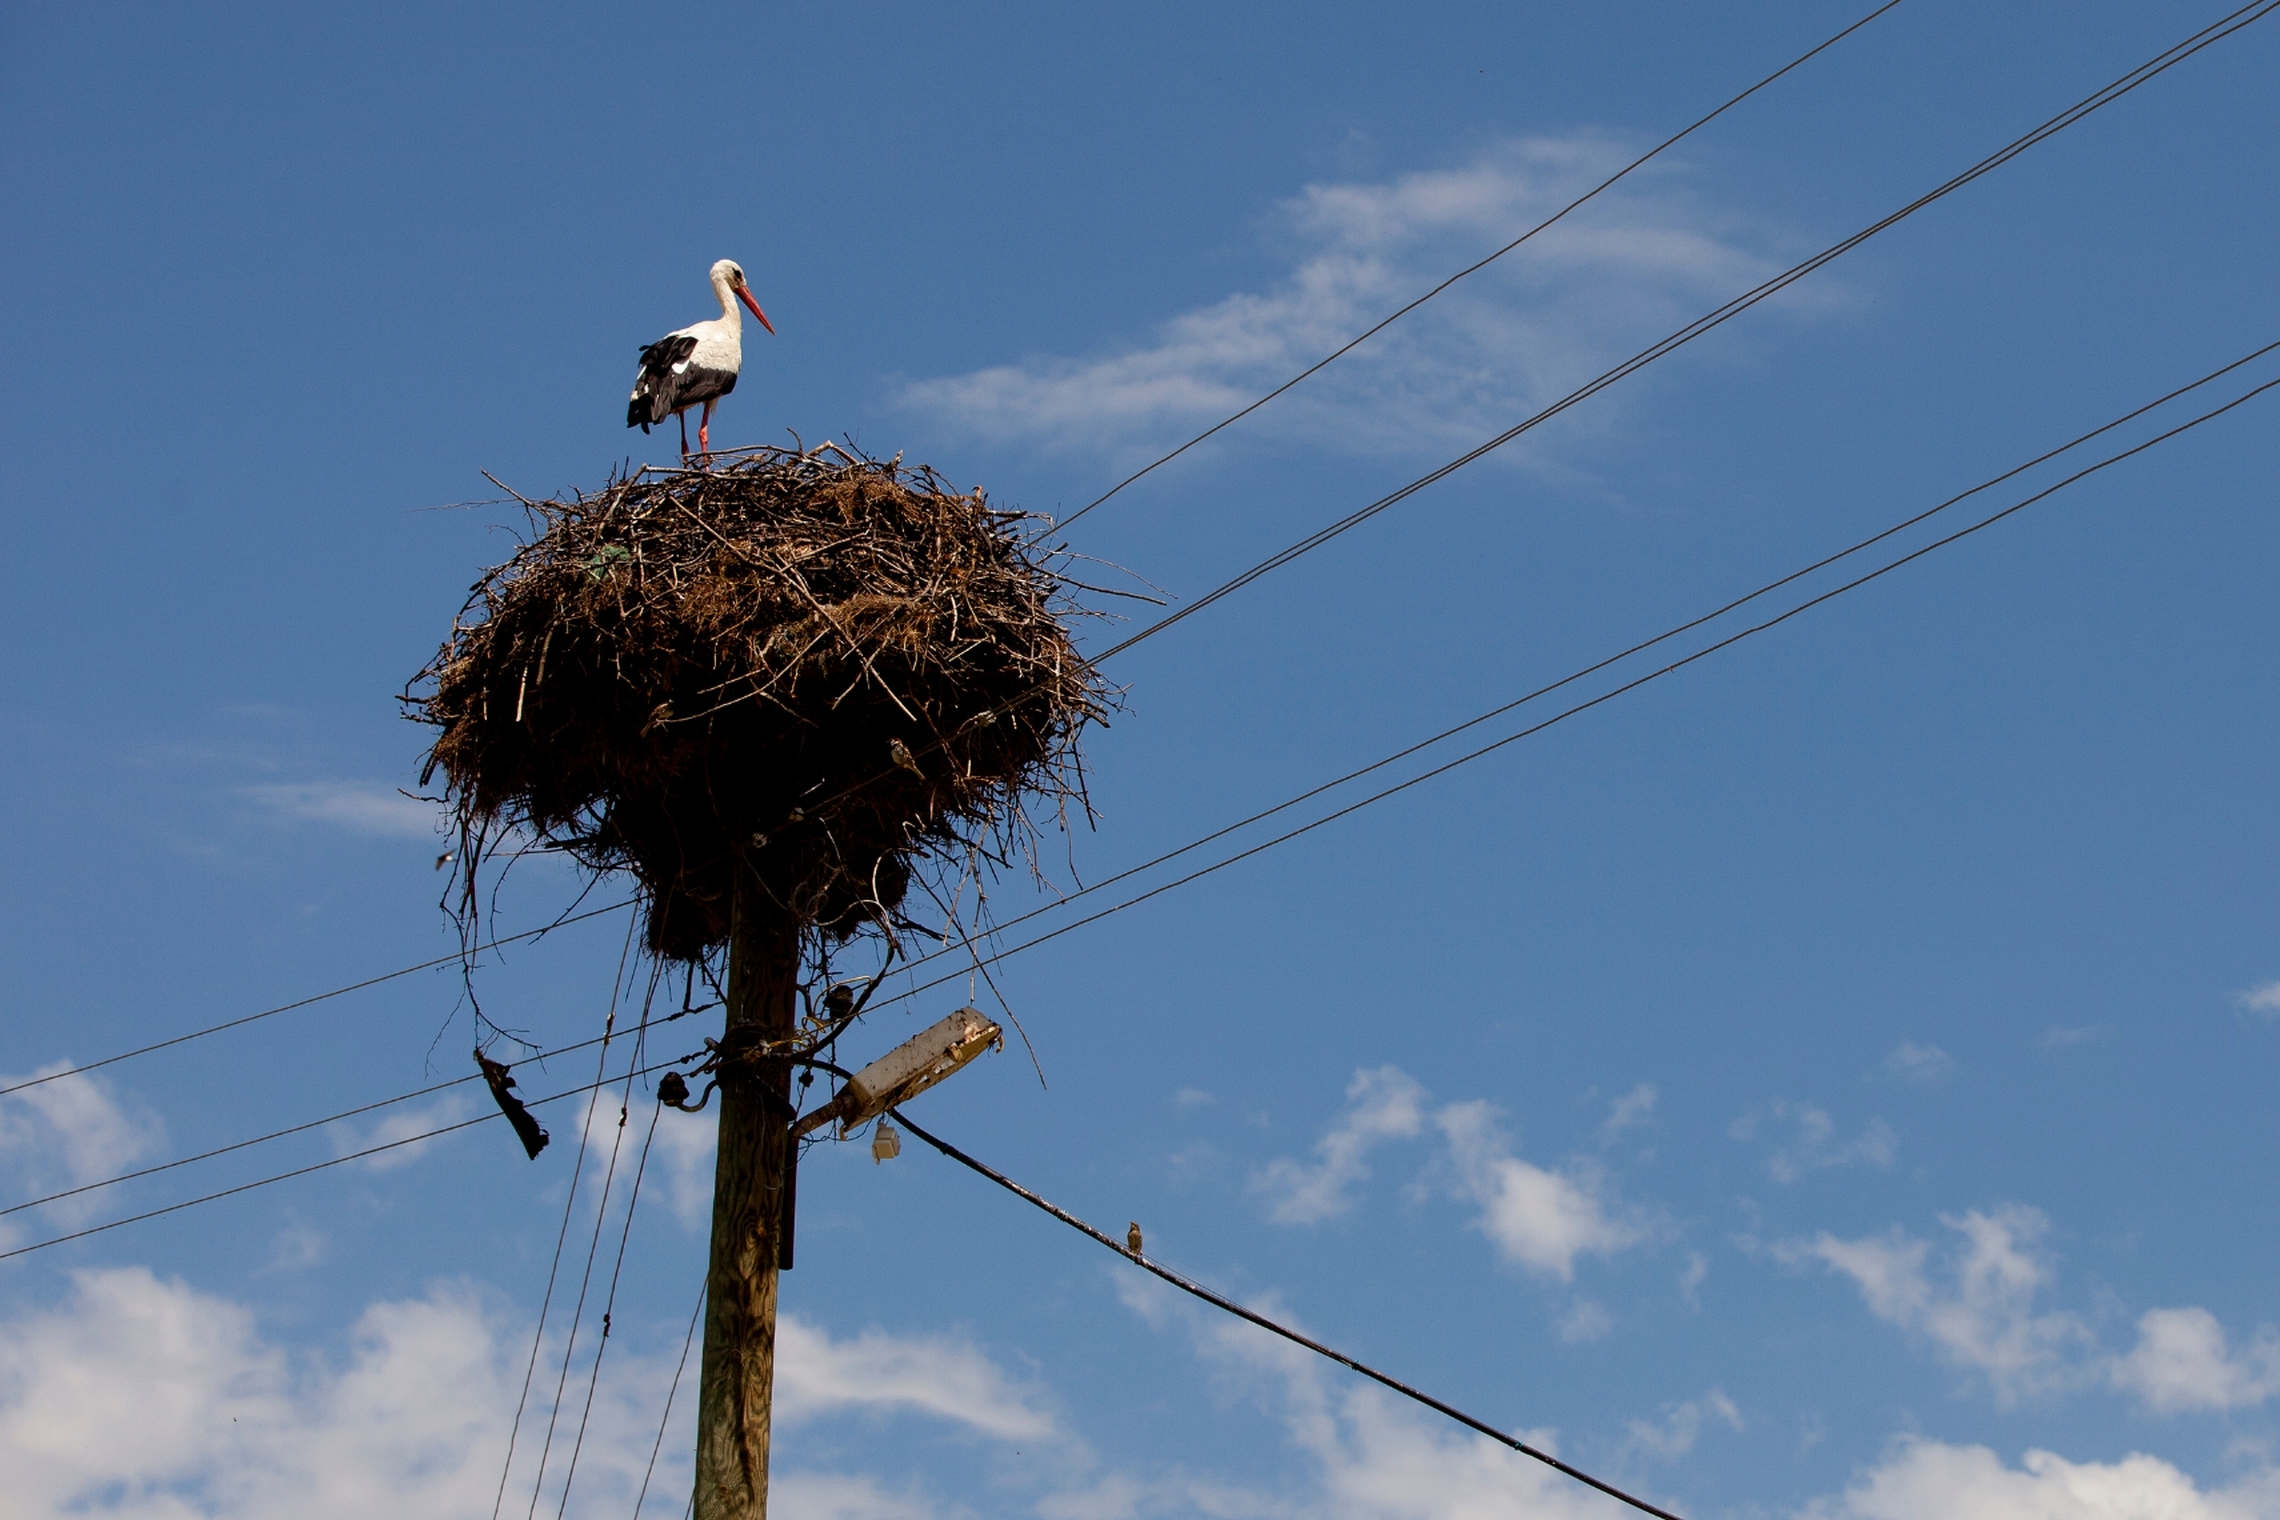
(1541, 1218)
(2263, 999)
(2181, 1361)
(1807, 1139)
(1691, 1280)
(1381, 1104)
(947, 1378)
(1922, 1064)
(1587, 1320)
(410, 1418)
(66, 1133)
(231, 1425)
(400, 1125)
(1975, 1303)
(1634, 264)
(1634, 1108)
(1368, 1455)
(685, 1147)
(363, 807)
(2066, 1036)
(1681, 1425)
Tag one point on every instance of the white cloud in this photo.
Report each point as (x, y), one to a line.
(401, 1124)
(2181, 1362)
(1538, 1219)
(1812, 1145)
(225, 1425)
(296, 1248)
(1635, 1107)
(363, 807)
(1910, 1062)
(1977, 1308)
(843, 1496)
(411, 1419)
(66, 1133)
(683, 1155)
(1381, 1104)
(949, 1379)
(1681, 1425)
(1691, 1280)
(1928, 1480)
(1585, 1321)
(2264, 999)
(1373, 1455)
(2063, 1036)
(138, 1398)
(1637, 262)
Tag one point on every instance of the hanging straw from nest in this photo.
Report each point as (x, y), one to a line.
(813, 664)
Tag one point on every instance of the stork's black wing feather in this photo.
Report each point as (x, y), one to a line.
(653, 397)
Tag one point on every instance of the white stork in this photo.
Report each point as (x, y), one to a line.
(697, 363)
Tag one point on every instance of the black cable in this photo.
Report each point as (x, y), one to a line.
(546, 1303)
(2148, 70)
(1592, 193)
(266, 1013)
(666, 1418)
(1593, 668)
(601, 1213)
(2157, 65)
(1217, 1301)
(1581, 707)
(168, 1166)
(223, 1150)
(303, 1171)
(609, 1303)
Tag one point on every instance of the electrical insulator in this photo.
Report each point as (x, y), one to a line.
(886, 1144)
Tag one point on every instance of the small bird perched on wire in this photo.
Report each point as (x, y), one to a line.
(1132, 1238)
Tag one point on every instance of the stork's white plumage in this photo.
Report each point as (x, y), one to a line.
(697, 363)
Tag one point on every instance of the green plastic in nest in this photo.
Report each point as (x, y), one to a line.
(814, 665)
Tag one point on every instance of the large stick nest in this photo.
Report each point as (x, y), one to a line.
(813, 665)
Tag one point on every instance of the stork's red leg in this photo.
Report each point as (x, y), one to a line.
(704, 430)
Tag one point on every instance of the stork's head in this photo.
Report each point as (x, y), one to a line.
(729, 275)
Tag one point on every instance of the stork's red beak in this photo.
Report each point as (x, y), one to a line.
(746, 297)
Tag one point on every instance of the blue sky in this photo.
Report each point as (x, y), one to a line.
(1833, 1081)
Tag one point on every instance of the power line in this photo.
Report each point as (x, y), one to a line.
(267, 1013)
(2160, 63)
(2224, 27)
(1592, 669)
(1217, 1301)
(1592, 193)
(554, 1267)
(2098, 99)
(671, 1392)
(586, 1280)
(1306, 828)
(350, 1113)
(1585, 706)
(609, 1303)
(374, 1150)
(1311, 793)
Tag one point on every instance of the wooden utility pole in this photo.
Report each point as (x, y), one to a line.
(749, 1181)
